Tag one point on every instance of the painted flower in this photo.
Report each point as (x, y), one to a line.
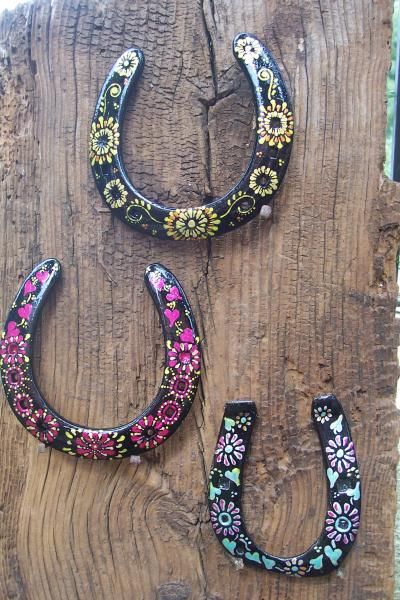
(191, 223)
(149, 432)
(264, 181)
(340, 453)
(342, 523)
(115, 193)
(13, 349)
(95, 445)
(104, 140)
(275, 124)
(43, 426)
(15, 377)
(23, 404)
(322, 414)
(295, 566)
(225, 517)
(243, 421)
(169, 412)
(229, 449)
(184, 357)
(181, 385)
(248, 49)
(127, 64)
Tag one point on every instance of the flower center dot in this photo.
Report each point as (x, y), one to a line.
(340, 453)
(228, 448)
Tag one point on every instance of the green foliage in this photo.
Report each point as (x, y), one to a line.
(390, 89)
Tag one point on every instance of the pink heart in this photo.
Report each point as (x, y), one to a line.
(25, 311)
(12, 329)
(173, 294)
(172, 315)
(187, 336)
(29, 287)
(42, 276)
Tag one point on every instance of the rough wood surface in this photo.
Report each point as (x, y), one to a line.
(289, 308)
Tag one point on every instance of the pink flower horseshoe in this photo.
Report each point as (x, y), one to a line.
(154, 425)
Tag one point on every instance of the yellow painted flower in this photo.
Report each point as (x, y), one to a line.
(190, 223)
(248, 49)
(275, 124)
(127, 64)
(264, 181)
(115, 193)
(104, 140)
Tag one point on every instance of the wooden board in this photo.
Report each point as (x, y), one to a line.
(288, 308)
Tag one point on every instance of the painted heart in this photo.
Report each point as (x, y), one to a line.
(333, 554)
(42, 276)
(230, 546)
(12, 329)
(332, 476)
(229, 423)
(25, 311)
(29, 287)
(173, 294)
(233, 475)
(187, 336)
(336, 426)
(317, 562)
(268, 562)
(172, 316)
(253, 556)
(354, 493)
(214, 491)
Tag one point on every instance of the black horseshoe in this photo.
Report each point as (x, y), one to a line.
(244, 201)
(155, 424)
(344, 491)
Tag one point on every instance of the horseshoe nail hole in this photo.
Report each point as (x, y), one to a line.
(240, 549)
(275, 123)
(224, 483)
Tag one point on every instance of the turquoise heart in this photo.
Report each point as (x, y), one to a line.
(332, 476)
(234, 475)
(254, 556)
(317, 562)
(333, 554)
(214, 491)
(229, 423)
(355, 493)
(230, 546)
(268, 562)
(336, 426)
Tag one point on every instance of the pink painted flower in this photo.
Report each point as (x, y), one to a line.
(149, 432)
(13, 349)
(184, 357)
(43, 426)
(225, 518)
(181, 386)
(95, 444)
(23, 404)
(343, 523)
(15, 376)
(229, 449)
(157, 281)
(340, 453)
(173, 294)
(169, 412)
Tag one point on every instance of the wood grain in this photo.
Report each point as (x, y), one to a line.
(289, 308)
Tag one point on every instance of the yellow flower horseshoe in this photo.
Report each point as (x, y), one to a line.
(244, 201)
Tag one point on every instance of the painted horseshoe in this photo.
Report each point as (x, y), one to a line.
(344, 491)
(244, 201)
(155, 424)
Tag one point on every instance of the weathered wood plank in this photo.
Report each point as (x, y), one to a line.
(288, 309)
